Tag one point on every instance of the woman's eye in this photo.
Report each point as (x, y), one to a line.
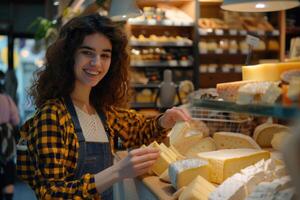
(88, 53)
(105, 56)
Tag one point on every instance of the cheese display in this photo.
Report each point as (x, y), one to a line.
(184, 135)
(182, 172)
(224, 163)
(267, 72)
(278, 140)
(204, 145)
(230, 189)
(228, 91)
(198, 189)
(258, 92)
(163, 161)
(264, 133)
(270, 190)
(229, 140)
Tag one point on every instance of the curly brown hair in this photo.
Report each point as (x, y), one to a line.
(57, 79)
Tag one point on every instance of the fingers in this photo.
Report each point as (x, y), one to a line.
(183, 114)
(143, 151)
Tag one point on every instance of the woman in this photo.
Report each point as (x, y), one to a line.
(80, 119)
(8, 117)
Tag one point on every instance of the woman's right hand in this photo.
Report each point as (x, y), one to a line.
(137, 162)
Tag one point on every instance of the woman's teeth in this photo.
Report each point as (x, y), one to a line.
(92, 72)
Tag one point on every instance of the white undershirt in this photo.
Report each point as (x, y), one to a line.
(91, 125)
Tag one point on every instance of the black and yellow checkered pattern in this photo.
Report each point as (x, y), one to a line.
(49, 163)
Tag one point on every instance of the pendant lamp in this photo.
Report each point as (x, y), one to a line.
(258, 5)
(121, 10)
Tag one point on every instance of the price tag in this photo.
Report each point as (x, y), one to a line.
(167, 22)
(275, 32)
(203, 51)
(172, 63)
(232, 51)
(251, 40)
(202, 31)
(152, 22)
(233, 32)
(243, 32)
(219, 32)
(219, 51)
(261, 32)
(180, 43)
(184, 63)
(177, 23)
(152, 43)
(245, 51)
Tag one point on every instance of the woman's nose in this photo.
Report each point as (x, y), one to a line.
(95, 61)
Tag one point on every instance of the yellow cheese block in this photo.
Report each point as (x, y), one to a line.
(224, 163)
(204, 145)
(163, 161)
(267, 72)
(229, 140)
(198, 189)
(263, 134)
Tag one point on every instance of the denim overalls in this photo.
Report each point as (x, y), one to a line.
(93, 157)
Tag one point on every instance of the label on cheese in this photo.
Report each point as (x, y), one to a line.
(224, 163)
(183, 172)
(229, 140)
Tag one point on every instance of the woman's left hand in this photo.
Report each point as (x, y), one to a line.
(173, 115)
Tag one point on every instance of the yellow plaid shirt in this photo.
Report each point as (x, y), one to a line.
(49, 163)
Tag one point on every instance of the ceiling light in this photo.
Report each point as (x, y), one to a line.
(258, 5)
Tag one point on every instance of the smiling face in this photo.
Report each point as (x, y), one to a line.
(92, 60)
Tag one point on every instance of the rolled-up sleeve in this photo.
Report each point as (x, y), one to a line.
(135, 129)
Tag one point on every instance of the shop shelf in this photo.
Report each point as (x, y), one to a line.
(160, 23)
(160, 44)
(148, 85)
(277, 110)
(171, 63)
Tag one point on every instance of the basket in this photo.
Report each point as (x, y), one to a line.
(223, 121)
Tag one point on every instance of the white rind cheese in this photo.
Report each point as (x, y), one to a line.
(182, 172)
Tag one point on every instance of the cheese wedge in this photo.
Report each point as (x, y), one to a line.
(165, 176)
(198, 189)
(230, 189)
(183, 172)
(224, 163)
(204, 145)
(186, 134)
(267, 72)
(263, 134)
(163, 161)
(229, 140)
(279, 139)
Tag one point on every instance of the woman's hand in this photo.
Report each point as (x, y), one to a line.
(137, 162)
(173, 115)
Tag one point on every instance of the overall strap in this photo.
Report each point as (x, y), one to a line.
(79, 133)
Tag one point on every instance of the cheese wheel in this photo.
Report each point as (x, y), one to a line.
(263, 134)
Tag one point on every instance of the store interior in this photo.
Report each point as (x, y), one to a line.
(180, 50)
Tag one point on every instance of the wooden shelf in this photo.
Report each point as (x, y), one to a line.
(210, 2)
(158, 64)
(168, 23)
(143, 3)
(160, 44)
(148, 85)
